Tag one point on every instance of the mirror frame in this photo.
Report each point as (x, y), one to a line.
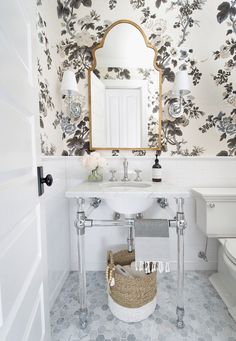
(93, 67)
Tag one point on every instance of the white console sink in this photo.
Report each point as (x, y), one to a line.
(126, 200)
(126, 197)
(132, 203)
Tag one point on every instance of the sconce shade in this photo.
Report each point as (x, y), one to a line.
(181, 84)
(69, 84)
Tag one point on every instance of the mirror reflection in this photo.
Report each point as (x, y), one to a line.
(124, 91)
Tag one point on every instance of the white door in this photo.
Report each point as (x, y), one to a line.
(123, 109)
(23, 307)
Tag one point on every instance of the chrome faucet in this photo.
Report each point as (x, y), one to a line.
(125, 164)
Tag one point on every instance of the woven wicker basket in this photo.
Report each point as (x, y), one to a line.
(130, 292)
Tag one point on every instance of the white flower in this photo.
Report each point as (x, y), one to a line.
(153, 25)
(232, 100)
(225, 51)
(85, 20)
(160, 40)
(173, 51)
(101, 162)
(61, 52)
(95, 155)
(234, 119)
(85, 38)
(93, 161)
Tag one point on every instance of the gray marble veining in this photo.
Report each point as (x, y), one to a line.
(206, 319)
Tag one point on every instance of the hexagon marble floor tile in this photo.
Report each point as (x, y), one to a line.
(206, 316)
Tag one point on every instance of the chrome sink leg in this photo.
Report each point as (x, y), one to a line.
(80, 228)
(180, 226)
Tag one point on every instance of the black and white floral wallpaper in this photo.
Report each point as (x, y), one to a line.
(197, 35)
(48, 84)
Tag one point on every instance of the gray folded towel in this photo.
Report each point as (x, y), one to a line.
(152, 228)
(152, 240)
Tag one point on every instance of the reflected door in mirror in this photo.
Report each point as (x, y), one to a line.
(123, 117)
(125, 91)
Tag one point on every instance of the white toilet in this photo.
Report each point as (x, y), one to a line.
(216, 217)
(224, 281)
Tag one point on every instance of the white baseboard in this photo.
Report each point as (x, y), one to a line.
(58, 288)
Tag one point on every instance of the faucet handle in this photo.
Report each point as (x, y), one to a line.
(138, 171)
(113, 177)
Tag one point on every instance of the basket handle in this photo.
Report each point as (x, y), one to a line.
(110, 269)
(110, 258)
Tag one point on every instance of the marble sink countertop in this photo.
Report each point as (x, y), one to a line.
(103, 190)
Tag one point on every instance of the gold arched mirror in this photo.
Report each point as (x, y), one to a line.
(125, 90)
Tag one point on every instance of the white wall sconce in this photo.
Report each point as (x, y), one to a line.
(69, 91)
(181, 88)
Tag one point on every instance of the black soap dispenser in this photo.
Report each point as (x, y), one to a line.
(156, 170)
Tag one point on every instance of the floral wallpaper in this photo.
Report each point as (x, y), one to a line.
(196, 35)
(48, 83)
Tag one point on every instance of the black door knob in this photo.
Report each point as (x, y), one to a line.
(48, 180)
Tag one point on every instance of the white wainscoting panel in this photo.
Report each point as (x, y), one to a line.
(57, 226)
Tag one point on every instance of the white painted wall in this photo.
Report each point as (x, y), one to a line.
(187, 172)
(57, 226)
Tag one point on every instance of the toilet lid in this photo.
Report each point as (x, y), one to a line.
(230, 249)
